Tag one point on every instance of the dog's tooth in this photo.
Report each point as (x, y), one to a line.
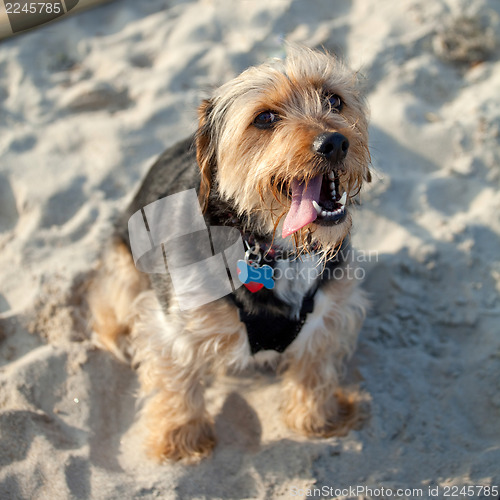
(316, 207)
(343, 200)
(331, 175)
(323, 213)
(332, 186)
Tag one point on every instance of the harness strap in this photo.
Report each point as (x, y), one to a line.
(271, 332)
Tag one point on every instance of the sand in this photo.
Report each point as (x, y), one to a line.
(87, 103)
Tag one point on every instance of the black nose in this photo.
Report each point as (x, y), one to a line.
(332, 146)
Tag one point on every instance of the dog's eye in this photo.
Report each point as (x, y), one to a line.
(266, 119)
(335, 102)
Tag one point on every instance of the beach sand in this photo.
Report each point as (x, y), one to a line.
(88, 103)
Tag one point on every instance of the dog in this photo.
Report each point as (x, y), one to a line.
(280, 153)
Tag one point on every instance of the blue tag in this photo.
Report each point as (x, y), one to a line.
(248, 273)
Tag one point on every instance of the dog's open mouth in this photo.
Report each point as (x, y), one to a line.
(320, 201)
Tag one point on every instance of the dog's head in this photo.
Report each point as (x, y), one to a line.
(286, 144)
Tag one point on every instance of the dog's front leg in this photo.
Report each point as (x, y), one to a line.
(178, 424)
(177, 354)
(314, 404)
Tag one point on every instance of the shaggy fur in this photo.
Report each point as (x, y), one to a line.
(243, 174)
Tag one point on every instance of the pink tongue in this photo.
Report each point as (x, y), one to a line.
(302, 211)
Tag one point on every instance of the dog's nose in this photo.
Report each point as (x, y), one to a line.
(333, 146)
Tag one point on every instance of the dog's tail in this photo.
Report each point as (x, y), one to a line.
(111, 295)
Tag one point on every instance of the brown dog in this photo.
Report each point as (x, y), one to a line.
(280, 152)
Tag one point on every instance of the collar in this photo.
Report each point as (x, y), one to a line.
(258, 243)
(268, 250)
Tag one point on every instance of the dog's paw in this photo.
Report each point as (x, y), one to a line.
(336, 417)
(190, 442)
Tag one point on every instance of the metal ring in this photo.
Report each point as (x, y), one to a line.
(250, 252)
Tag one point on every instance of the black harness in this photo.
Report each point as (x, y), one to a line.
(267, 331)
(266, 317)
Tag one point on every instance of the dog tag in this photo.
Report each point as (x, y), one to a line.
(255, 277)
(253, 286)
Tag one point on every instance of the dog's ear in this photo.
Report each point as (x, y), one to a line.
(205, 152)
(368, 175)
